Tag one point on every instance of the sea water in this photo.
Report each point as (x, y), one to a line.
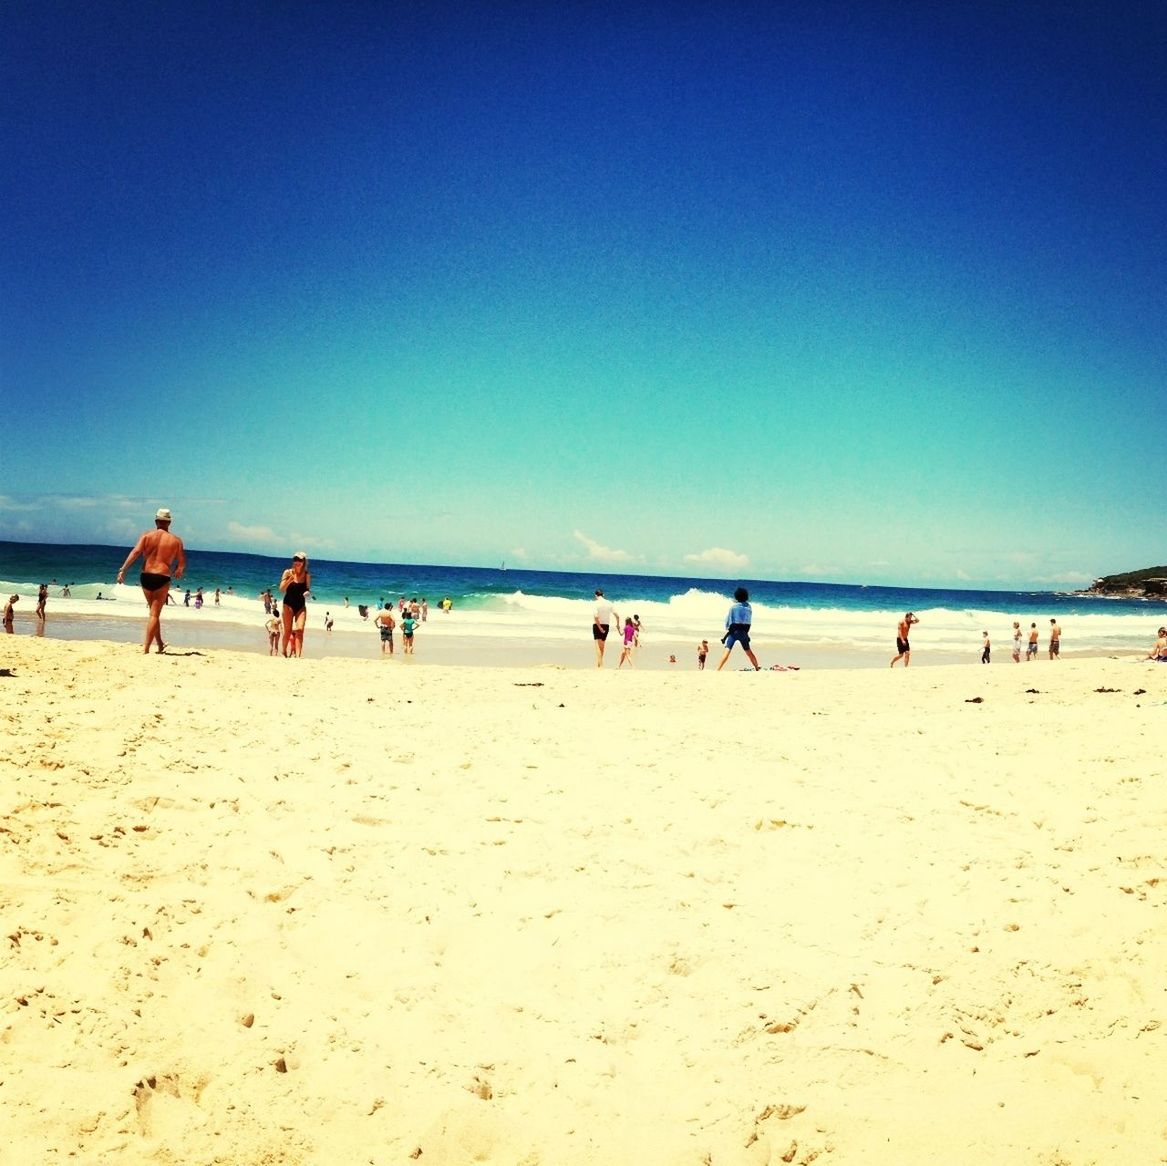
(842, 624)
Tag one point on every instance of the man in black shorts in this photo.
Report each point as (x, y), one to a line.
(602, 619)
(160, 550)
(903, 648)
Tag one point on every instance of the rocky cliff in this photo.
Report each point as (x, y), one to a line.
(1149, 583)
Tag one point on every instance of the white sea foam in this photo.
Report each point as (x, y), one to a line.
(684, 618)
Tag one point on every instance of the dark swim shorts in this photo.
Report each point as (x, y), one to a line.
(739, 633)
(151, 582)
(902, 645)
(599, 631)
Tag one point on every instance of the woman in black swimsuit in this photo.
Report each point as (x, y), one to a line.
(295, 585)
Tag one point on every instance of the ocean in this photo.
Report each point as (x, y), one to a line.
(501, 615)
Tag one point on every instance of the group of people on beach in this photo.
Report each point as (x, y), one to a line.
(904, 646)
(164, 561)
(737, 631)
(42, 599)
(603, 616)
(1055, 643)
(411, 615)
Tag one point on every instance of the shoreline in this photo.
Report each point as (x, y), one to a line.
(196, 633)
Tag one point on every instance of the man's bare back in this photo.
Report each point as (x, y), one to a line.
(161, 549)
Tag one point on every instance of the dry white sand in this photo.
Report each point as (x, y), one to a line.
(328, 911)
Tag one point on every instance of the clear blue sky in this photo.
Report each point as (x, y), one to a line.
(862, 292)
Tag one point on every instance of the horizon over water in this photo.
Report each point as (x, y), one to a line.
(516, 614)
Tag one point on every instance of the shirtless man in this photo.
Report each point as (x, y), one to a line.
(385, 622)
(903, 647)
(160, 550)
(1055, 639)
(1031, 647)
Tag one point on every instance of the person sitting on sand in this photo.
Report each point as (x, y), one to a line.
(1158, 652)
(737, 628)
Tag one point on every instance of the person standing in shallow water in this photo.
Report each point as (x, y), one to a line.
(737, 628)
(295, 586)
(162, 552)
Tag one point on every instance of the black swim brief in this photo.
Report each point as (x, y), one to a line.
(902, 645)
(599, 631)
(151, 581)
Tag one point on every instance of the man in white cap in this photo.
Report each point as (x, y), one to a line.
(161, 551)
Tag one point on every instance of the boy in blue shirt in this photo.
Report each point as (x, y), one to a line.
(737, 628)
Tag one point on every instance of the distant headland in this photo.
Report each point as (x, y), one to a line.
(1149, 583)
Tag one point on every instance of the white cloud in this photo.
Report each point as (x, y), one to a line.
(12, 506)
(256, 534)
(601, 554)
(721, 558)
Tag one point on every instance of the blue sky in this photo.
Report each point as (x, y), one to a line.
(857, 292)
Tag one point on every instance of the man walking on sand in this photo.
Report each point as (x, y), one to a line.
(602, 619)
(903, 647)
(161, 552)
(1055, 639)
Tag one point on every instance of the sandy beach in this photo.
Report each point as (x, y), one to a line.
(323, 911)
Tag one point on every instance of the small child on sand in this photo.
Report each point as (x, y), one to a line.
(702, 652)
(629, 638)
